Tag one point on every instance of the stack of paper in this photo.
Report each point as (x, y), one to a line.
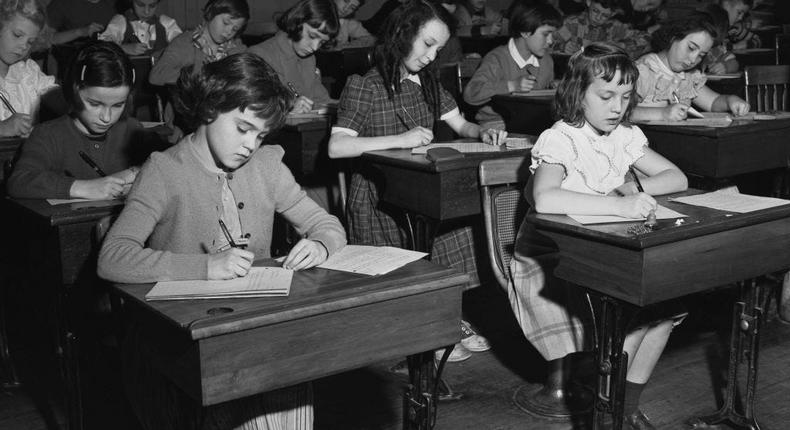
(259, 282)
(370, 260)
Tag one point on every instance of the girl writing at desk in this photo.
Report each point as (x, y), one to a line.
(395, 105)
(579, 166)
(523, 65)
(21, 81)
(171, 227)
(669, 80)
(215, 38)
(304, 28)
(88, 152)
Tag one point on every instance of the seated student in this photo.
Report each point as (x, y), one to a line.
(350, 29)
(739, 35)
(720, 59)
(595, 25)
(89, 153)
(523, 64)
(475, 18)
(580, 166)
(21, 81)
(303, 29)
(395, 105)
(215, 38)
(169, 229)
(642, 15)
(669, 80)
(77, 19)
(140, 30)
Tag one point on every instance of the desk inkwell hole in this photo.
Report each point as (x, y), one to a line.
(219, 311)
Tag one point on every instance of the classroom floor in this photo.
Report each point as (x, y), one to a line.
(687, 381)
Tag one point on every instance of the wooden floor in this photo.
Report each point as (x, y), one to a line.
(687, 381)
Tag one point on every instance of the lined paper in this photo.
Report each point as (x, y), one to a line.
(370, 260)
(259, 282)
(662, 212)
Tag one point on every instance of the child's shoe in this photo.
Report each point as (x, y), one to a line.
(637, 421)
(459, 353)
(471, 340)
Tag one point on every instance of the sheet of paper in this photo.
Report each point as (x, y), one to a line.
(465, 147)
(662, 212)
(731, 202)
(535, 93)
(54, 202)
(723, 76)
(712, 119)
(370, 260)
(259, 282)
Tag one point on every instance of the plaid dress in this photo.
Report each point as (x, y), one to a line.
(366, 109)
(555, 316)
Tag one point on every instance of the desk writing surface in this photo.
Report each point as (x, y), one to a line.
(710, 249)
(39, 211)
(720, 152)
(442, 190)
(338, 319)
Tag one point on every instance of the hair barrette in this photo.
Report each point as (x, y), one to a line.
(82, 74)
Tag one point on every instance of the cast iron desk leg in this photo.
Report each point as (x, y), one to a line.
(419, 400)
(747, 319)
(612, 362)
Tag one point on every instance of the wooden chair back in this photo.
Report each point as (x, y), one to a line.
(450, 78)
(766, 87)
(502, 183)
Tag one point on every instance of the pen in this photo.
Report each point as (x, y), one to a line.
(293, 89)
(92, 163)
(7, 103)
(636, 180)
(227, 234)
(693, 112)
(415, 124)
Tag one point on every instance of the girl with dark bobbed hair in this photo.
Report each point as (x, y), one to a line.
(191, 208)
(304, 28)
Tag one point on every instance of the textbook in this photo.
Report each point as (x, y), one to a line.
(259, 282)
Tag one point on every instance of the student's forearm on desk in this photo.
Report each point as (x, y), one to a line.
(123, 259)
(342, 145)
(665, 182)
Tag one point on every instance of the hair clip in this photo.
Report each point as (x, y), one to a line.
(134, 77)
(82, 74)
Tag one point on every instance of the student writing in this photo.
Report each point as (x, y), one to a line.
(22, 83)
(303, 29)
(669, 81)
(579, 166)
(169, 229)
(97, 88)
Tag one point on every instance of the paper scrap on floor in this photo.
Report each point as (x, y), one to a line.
(465, 147)
(259, 282)
(662, 212)
(731, 202)
(370, 260)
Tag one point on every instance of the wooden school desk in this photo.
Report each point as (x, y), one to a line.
(711, 249)
(439, 191)
(732, 83)
(336, 65)
(304, 140)
(61, 253)
(221, 350)
(524, 113)
(746, 146)
(8, 149)
(481, 45)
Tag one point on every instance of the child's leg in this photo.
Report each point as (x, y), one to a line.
(643, 361)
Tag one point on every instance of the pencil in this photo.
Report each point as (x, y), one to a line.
(691, 111)
(89, 161)
(636, 179)
(414, 123)
(292, 87)
(227, 234)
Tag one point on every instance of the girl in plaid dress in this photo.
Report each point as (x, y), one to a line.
(579, 166)
(395, 105)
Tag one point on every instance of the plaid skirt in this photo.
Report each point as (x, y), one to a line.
(160, 405)
(372, 222)
(555, 316)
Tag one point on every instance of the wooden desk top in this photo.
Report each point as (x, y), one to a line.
(39, 211)
(308, 123)
(738, 127)
(331, 322)
(542, 99)
(710, 249)
(419, 162)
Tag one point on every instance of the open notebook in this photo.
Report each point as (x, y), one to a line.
(259, 282)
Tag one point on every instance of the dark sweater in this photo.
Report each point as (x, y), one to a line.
(50, 163)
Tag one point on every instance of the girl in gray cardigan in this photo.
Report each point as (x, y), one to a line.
(172, 226)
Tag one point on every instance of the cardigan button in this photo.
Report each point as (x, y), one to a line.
(247, 235)
(240, 205)
(230, 176)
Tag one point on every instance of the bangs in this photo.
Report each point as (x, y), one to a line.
(326, 27)
(606, 68)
